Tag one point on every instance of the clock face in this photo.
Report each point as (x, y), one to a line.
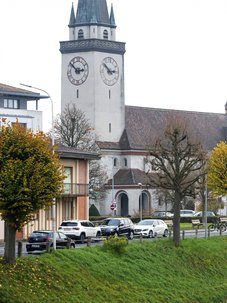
(109, 71)
(77, 71)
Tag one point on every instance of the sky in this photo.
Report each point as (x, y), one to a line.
(176, 50)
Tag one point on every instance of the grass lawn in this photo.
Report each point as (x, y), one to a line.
(149, 271)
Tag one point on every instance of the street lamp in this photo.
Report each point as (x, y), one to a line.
(140, 201)
(52, 136)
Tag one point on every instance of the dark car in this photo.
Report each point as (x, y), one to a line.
(39, 238)
(117, 227)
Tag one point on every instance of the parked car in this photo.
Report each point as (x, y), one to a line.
(117, 227)
(151, 228)
(208, 214)
(163, 214)
(39, 238)
(187, 213)
(80, 229)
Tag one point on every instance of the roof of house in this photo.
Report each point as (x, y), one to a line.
(130, 176)
(66, 152)
(11, 91)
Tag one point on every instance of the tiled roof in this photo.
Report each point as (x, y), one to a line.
(142, 124)
(126, 177)
(7, 90)
(108, 145)
(73, 153)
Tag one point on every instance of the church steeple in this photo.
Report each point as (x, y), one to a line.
(92, 11)
(72, 19)
(93, 68)
(112, 19)
(92, 21)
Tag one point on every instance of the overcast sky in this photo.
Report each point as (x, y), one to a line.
(176, 50)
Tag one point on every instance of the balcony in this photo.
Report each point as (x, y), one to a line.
(75, 189)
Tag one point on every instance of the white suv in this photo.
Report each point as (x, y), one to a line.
(79, 229)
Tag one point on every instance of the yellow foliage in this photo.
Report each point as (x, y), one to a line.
(217, 169)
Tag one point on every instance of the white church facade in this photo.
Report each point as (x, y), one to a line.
(92, 76)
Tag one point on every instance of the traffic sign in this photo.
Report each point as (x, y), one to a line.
(113, 205)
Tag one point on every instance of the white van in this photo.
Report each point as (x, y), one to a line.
(187, 213)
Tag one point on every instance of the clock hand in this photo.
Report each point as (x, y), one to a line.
(77, 69)
(109, 71)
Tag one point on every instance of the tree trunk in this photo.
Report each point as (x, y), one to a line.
(10, 241)
(176, 220)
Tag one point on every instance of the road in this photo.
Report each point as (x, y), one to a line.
(186, 234)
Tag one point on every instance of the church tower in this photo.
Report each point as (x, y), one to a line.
(93, 69)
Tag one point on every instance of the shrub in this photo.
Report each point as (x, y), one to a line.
(93, 211)
(116, 245)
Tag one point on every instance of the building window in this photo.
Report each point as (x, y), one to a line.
(11, 103)
(109, 127)
(105, 34)
(80, 34)
(68, 180)
(77, 93)
(109, 94)
(115, 162)
(125, 162)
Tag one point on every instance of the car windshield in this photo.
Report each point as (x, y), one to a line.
(111, 222)
(69, 224)
(39, 234)
(146, 222)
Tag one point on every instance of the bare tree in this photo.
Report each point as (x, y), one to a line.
(177, 159)
(71, 128)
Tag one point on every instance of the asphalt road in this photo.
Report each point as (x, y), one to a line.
(186, 234)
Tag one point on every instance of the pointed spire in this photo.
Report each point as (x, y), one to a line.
(72, 19)
(112, 19)
(90, 11)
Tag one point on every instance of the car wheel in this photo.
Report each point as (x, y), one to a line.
(72, 245)
(130, 235)
(98, 235)
(165, 233)
(82, 238)
(150, 235)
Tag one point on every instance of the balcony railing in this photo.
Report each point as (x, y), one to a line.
(76, 189)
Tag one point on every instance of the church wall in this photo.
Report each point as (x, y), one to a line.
(133, 195)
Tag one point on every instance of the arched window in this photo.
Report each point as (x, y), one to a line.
(125, 162)
(80, 34)
(105, 34)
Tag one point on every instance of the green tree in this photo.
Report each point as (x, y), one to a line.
(30, 177)
(217, 169)
(176, 160)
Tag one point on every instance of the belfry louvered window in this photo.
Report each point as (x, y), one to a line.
(80, 34)
(105, 34)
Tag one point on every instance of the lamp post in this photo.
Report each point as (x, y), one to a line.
(140, 201)
(205, 208)
(52, 137)
(113, 204)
